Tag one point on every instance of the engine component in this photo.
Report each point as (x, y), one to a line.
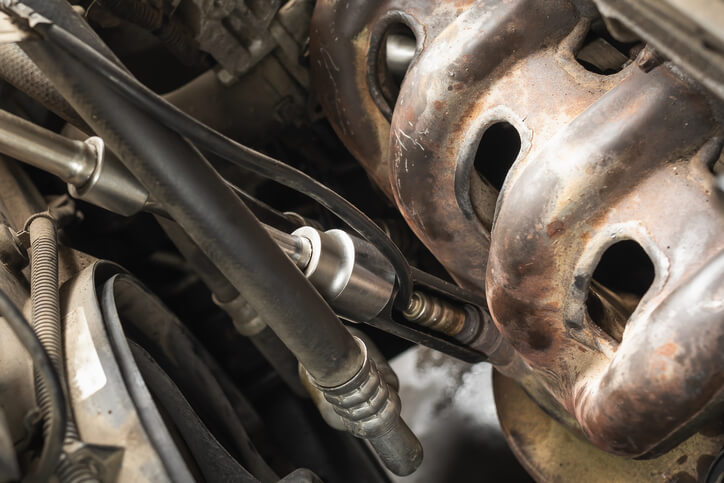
(240, 33)
(491, 87)
(665, 334)
(689, 34)
(91, 173)
(534, 147)
(247, 246)
(99, 387)
(370, 408)
(443, 317)
(53, 391)
(548, 444)
(351, 274)
(236, 32)
(45, 306)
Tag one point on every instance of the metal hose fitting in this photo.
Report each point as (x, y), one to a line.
(370, 409)
(350, 273)
(326, 410)
(93, 174)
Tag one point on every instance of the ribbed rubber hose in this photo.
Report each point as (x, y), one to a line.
(19, 71)
(44, 300)
(26, 76)
(45, 308)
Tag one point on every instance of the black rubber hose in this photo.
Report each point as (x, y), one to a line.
(170, 30)
(214, 217)
(25, 75)
(63, 15)
(212, 459)
(138, 12)
(266, 342)
(212, 141)
(20, 72)
(55, 435)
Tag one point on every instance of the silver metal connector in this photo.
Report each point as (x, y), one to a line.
(92, 174)
(325, 408)
(350, 273)
(110, 185)
(370, 409)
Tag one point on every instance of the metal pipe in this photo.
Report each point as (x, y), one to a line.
(70, 160)
(399, 52)
(91, 172)
(297, 248)
(350, 273)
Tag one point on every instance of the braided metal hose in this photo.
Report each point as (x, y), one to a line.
(45, 307)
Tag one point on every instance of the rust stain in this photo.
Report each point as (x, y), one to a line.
(667, 350)
(555, 228)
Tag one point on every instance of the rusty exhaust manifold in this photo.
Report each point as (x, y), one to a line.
(602, 159)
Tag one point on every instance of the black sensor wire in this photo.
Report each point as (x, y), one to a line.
(53, 447)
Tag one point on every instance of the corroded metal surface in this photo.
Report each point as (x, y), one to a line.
(552, 453)
(631, 167)
(345, 39)
(494, 63)
(603, 158)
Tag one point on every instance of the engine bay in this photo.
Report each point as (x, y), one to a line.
(355, 240)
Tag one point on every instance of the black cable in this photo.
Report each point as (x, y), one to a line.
(207, 139)
(53, 447)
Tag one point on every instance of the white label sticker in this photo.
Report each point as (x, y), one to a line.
(84, 366)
